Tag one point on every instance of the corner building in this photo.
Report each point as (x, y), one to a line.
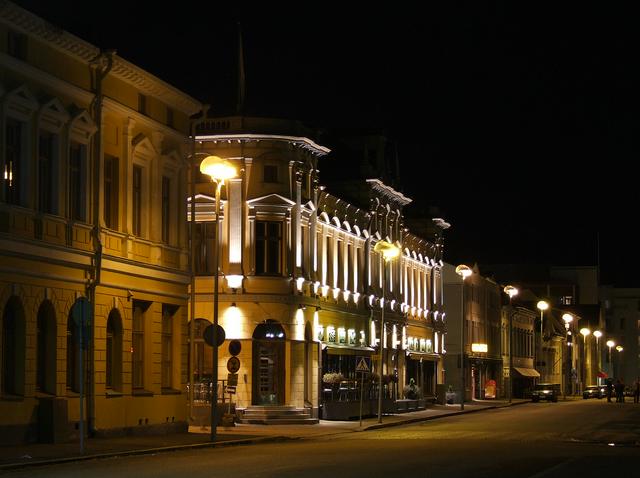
(93, 173)
(300, 283)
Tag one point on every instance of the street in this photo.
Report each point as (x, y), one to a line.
(585, 438)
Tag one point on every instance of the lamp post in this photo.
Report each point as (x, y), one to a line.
(511, 291)
(219, 170)
(619, 348)
(610, 343)
(542, 306)
(597, 334)
(585, 332)
(388, 252)
(464, 272)
(567, 318)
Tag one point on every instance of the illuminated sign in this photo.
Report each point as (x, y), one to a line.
(479, 348)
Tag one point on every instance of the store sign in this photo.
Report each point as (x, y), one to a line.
(479, 348)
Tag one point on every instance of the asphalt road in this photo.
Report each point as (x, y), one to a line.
(585, 438)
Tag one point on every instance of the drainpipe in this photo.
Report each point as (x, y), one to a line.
(100, 67)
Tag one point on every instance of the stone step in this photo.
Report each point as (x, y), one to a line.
(270, 415)
(280, 421)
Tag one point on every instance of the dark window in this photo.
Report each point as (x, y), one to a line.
(46, 172)
(114, 351)
(111, 192)
(170, 120)
(268, 247)
(203, 237)
(46, 349)
(72, 355)
(13, 160)
(17, 45)
(137, 344)
(142, 103)
(137, 201)
(13, 348)
(622, 321)
(77, 183)
(270, 173)
(166, 209)
(167, 345)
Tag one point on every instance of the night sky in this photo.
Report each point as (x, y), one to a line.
(521, 125)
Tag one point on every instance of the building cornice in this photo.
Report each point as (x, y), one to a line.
(20, 19)
(388, 192)
(299, 141)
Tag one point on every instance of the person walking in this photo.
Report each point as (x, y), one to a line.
(609, 389)
(619, 388)
(636, 392)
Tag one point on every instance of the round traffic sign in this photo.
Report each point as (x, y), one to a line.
(234, 347)
(233, 364)
(208, 335)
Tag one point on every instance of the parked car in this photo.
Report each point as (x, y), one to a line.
(545, 391)
(594, 391)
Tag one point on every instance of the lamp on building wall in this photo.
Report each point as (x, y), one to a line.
(219, 170)
(388, 252)
(584, 332)
(463, 271)
(542, 306)
(619, 348)
(511, 291)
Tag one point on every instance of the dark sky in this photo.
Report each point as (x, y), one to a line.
(520, 124)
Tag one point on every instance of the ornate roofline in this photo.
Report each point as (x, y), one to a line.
(388, 192)
(69, 44)
(304, 143)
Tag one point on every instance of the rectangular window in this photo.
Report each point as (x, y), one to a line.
(47, 143)
(136, 201)
(167, 345)
(111, 192)
(142, 103)
(77, 183)
(166, 209)
(622, 321)
(170, 119)
(270, 173)
(13, 160)
(268, 247)
(109, 379)
(137, 345)
(17, 45)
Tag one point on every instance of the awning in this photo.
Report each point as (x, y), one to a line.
(527, 372)
(602, 374)
(343, 350)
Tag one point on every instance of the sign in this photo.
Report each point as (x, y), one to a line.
(490, 389)
(81, 314)
(233, 364)
(208, 335)
(362, 364)
(505, 372)
(231, 389)
(232, 380)
(234, 347)
(479, 348)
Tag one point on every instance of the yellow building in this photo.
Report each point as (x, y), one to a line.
(93, 175)
(302, 288)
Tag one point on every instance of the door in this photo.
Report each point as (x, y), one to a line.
(268, 366)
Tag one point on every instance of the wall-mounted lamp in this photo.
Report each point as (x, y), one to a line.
(302, 307)
(233, 304)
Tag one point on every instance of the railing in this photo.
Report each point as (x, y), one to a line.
(202, 392)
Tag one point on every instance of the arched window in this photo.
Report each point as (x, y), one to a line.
(13, 348)
(113, 379)
(46, 349)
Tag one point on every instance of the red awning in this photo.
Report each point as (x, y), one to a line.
(602, 374)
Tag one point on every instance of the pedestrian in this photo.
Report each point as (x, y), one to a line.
(636, 392)
(609, 389)
(619, 387)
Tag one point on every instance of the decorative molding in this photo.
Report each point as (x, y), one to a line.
(299, 141)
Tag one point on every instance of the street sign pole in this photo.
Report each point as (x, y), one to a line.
(363, 367)
(361, 384)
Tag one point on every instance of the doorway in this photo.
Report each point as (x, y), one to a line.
(268, 364)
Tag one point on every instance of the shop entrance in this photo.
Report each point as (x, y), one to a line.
(268, 364)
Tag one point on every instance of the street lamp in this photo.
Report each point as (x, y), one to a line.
(597, 334)
(542, 306)
(619, 348)
(219, 170)
(584, 331)
(388, 251)
(567, 318)
(511, 291)
(610, 343)
(464, 272)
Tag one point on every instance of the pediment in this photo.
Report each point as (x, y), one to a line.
(143, 147)
(53, 115)
(82, 126)
(271, 200)
(21, 103)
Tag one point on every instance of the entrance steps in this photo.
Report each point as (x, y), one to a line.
(276, 415)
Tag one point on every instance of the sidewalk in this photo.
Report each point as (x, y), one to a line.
(198, 437)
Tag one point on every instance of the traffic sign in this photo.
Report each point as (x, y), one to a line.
(232, 379)
(233, 364)
(234, 347)
(208, 335)
(231, 389)
(362, 364)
